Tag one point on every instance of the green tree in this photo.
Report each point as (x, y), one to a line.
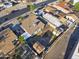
(76, 6)
(31, 7)
(20, 18)
(21, 39)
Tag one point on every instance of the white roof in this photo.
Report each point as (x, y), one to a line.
(52, 19)
(26, 35)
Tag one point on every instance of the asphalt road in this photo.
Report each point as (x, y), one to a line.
(21, 11)
(58, 48)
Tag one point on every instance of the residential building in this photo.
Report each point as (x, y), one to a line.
(63, 20)
(48, 9)
(32, 25)
(24, 52)
(62, 6)
(8, 42)
(71, 17)
(52, 19)
(39, 48)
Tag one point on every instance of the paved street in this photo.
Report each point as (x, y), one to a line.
(8, 10)
(3, 14)
(58, 49)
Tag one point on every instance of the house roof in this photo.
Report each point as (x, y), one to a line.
(62, 4)
(49, 9)
(52, 19)
(63, 20)
(38, 47)
(6, 38)
(73, 16)
(32, 24)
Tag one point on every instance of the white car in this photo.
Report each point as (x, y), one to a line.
(7, 5)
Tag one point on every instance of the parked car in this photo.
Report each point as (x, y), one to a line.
(14, 11)
(8, 5)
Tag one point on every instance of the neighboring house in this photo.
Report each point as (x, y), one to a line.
(39, 48)
(32, 25)
(52, 19)
(55, 23)
(57, 32)
(63, 20)
(8, 42)
(62, 7)
(48, 9)
(24, 52)
(71, 18)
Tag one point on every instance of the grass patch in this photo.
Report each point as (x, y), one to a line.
(76, 6)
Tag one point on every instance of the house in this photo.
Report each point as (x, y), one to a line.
(32, 25)
(57, 32)
(24, 52)
(63, 20)
(48, 9)
(52, 20)
(62, 6)
(8, 40)
(71, 17)
(55, 23)
(39, 48)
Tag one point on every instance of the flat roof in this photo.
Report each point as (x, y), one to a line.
(73, 16)
(49, 9)
(32, 24)
(38, 47)
(7, 36)
(52, 19)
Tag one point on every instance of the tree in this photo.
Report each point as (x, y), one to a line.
(76, 6)
(21, 39)
(20, 18)
(31, 7)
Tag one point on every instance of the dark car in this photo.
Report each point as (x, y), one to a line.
(14, 11)
(14, 3)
